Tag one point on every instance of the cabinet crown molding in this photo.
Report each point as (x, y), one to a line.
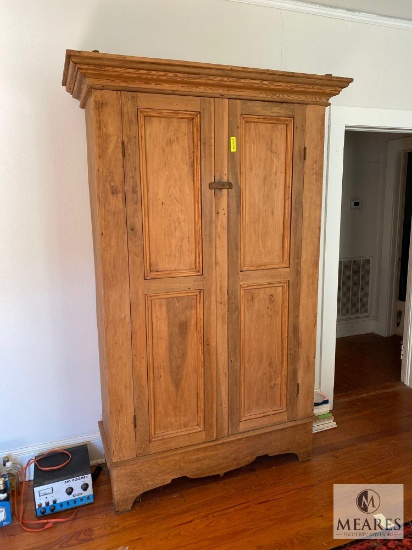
(86, 71)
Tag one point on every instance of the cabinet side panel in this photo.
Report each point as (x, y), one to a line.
(104, 134)
(91, 145)
(312, 203)
(295, 260)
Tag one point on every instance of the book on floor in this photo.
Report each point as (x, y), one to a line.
(323, 418)
(323, 427)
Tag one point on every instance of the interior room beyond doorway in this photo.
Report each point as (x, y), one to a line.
(366, 360)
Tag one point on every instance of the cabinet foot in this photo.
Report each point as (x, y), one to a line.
(122, 505)
(304, 456)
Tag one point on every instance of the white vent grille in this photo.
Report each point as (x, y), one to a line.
(353, 287)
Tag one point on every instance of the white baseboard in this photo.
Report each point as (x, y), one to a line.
(351, 327)
(23, 454)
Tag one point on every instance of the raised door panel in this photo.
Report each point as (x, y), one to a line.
(264, 228)
(266, 148)
(176, 380)
(168, 165)
(263, 336)
(170, 180)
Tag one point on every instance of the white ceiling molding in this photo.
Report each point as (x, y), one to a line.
(334, 13)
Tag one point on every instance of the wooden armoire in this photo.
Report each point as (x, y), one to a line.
(205, 189)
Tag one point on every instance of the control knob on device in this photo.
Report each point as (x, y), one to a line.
(69, 490)
(85, 486)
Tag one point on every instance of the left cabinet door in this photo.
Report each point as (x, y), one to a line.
(170, 226)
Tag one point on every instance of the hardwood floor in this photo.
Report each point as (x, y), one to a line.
(274, 503)
(367, 363)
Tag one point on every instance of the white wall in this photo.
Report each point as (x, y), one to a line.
(364, 170)
(48, 340)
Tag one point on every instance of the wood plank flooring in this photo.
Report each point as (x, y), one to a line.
(274, 503)
(367, 363)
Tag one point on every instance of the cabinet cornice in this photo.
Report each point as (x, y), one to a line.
(86, 71)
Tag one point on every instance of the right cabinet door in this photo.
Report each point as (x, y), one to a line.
(264, 263)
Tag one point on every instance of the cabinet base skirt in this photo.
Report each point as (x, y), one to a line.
(130, 478)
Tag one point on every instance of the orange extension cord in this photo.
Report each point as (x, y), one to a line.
(19, 509)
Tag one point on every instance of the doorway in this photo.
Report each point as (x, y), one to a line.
(374, 354)
(376, 209)
(403, 244)
(342, 119)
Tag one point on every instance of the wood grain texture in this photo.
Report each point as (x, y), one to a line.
(266, 177)
(207, 135)
(137, 268)
(175, 355)
(85, 71)
(221, 253)
(134, 477)
(296, 369)
(107, 197)
(264, 223)
(208, 317)
(233, 261)
(311, 213)
(169, 149)
(264, 344)
(367, 363)
(175, 367)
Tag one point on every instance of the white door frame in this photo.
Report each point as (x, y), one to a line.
(340, 120)
(393, 218)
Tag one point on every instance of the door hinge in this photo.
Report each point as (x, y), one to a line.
(297, 388)
(134, 422)
(123, 149)
(304, 153)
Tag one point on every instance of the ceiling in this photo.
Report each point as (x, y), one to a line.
(401, 9)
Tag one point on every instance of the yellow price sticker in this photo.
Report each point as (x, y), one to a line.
(233, 144)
